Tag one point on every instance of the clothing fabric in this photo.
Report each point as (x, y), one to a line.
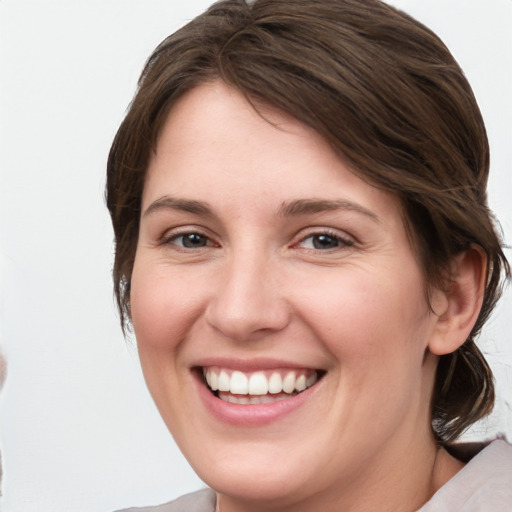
(200, 501)
(483, 485)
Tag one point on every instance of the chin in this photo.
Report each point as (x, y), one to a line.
(270, 483)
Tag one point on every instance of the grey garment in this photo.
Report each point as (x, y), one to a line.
(483, 485)
(199, 501)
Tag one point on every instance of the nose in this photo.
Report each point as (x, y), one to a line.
(248, 302)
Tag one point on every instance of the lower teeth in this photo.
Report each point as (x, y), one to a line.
(253, 399)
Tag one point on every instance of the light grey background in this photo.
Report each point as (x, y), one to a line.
(79, 432)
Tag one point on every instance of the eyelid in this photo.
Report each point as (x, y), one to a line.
(345, 239)
(173, 233)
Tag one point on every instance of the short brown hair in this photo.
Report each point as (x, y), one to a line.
(385, 92)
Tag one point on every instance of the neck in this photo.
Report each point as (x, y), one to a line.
(445, 468)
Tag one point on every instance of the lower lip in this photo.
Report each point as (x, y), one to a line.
(251, 415)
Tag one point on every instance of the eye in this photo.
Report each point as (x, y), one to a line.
(190, 240)
(324, 241)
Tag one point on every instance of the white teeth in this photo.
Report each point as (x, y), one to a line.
(258, 384)
(300, 383)
(223, 384)
(214, 381)
(275, 383)
(208, 377)
(252, 400)
(311, 379)
(239, 383)
(289, 382)
(264, 399)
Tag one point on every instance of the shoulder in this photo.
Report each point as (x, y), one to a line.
(484, 484)
(200, 501)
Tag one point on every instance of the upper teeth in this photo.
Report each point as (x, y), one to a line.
(259, 383)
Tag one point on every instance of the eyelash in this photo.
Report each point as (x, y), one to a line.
(171, 240)
(339, 241)
(342, 242)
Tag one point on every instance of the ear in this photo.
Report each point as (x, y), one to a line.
(458, 306)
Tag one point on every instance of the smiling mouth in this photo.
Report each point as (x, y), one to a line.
(259, 387)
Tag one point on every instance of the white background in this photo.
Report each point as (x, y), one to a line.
(78, 429)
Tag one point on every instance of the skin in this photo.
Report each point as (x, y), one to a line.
(259, 285)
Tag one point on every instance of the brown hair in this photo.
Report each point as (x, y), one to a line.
(385, 92)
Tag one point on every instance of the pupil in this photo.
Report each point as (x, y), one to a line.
(193, 240)
(324, 242)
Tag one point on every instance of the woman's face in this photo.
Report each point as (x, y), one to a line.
(263, 262)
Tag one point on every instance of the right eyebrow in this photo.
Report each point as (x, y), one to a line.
(307, 206)
(173, 203)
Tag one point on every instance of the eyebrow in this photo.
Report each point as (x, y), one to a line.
(185, 205)
(289, 209)
(308, 206)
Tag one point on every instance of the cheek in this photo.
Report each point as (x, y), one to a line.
(377, 331)
(164, 306)
(365, 318)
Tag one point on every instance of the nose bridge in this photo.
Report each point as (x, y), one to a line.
(248, 301)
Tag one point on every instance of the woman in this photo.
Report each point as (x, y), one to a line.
(304, 251)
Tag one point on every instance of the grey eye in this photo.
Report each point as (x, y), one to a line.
(321, 241)
(325, 242)
(191, 240)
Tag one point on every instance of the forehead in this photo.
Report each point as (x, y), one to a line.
(204, 117)
(245, 159)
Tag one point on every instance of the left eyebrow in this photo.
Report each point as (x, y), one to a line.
(184, 205)
(305, 206)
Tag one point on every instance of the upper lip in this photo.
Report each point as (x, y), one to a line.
(251, 365)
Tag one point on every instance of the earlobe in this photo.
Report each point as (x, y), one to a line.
(461, 302)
